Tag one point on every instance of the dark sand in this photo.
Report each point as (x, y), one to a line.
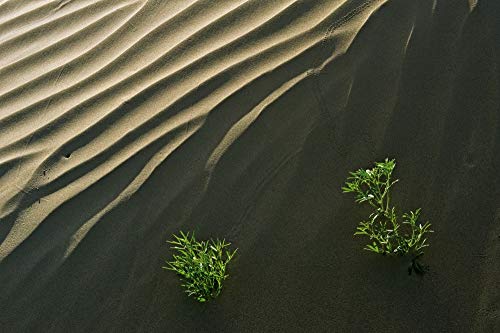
(122, 122)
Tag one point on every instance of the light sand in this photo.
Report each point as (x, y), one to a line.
(122, 122)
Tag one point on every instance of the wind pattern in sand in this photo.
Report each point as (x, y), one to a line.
(124, 120)
(88, 90)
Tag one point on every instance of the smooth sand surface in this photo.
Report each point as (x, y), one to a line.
(124, 121)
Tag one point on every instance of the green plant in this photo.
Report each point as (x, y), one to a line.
(201, 265)
(387, 235)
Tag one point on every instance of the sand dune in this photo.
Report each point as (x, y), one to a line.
(123, 121)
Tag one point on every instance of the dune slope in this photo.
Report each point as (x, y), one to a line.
(125, 121)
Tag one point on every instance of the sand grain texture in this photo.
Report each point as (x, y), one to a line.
(123, 121)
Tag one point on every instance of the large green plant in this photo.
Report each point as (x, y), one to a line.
(387, 236)
(201, 265)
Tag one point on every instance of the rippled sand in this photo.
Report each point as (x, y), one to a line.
(122, 122)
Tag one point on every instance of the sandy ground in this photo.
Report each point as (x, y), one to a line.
(122, 122)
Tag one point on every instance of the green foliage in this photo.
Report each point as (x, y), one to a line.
(201, 265)
(387, 236)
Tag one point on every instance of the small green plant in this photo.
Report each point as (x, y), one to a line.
(387, 235)
(201, 265)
